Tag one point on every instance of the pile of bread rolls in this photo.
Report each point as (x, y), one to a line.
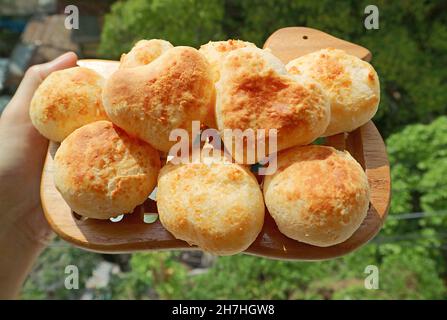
(113, 132)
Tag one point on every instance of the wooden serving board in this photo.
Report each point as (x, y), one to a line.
(133, 234)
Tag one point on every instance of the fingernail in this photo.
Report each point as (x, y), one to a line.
(57, 60)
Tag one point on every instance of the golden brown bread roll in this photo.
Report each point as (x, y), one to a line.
(66, 100)
(102, 172)
(150, 101)
(351, 83)
(216, 51)
(144, 52)
(255, 92)
(318, 195)
(217, 206)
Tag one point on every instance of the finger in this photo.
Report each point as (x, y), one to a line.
(18, 108)
(37, 73)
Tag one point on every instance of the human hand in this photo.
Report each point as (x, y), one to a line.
(23, 227)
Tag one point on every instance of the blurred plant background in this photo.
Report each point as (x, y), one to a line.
(410, 55)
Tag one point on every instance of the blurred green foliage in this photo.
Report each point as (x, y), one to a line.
(47, 281)
(419, 155)
(191, 22)
(410, 55)
(404, 274)
(409, 49)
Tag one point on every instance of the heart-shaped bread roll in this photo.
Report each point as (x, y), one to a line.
(151, 100)
(216, 51)
(351, 83)
(66, 100)
(144, 52)
(256, 92)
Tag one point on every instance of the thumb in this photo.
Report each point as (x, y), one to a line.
(19, 105)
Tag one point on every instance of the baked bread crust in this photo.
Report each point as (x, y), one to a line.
(102, 172)
(169, 93)
(255, 92)
(216, 51)
(352, 85)
(217, 206)
(318, 195)
(144, 52)
(67, 100)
